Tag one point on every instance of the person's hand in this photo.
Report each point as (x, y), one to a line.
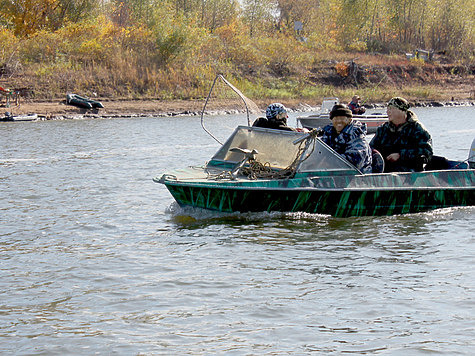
(302, 129)
(393, 157)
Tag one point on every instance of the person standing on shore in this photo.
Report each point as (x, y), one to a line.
(403, 141)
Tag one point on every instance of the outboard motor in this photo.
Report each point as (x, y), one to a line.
(471, 156)
(8, 117)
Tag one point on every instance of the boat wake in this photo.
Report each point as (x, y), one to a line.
(187, 215)
(191, 215)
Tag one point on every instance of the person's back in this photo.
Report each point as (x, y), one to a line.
(271, 124)
(276, 118)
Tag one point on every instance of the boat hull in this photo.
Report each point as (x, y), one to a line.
(336, 202)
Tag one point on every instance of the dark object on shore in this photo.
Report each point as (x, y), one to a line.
(82, 102)
(8, 117)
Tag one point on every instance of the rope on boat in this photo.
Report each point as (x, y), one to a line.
(257, 169)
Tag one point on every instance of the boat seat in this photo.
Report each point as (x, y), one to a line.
(437, 163)
(442, 163)
(377, 165)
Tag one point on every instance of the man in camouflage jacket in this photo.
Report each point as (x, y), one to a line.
(403, 141)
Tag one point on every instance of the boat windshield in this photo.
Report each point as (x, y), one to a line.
(276, 148)
(273, 146)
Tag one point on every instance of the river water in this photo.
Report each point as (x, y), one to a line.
(95, 258)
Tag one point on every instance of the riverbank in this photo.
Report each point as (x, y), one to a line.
(119, 108)
(57, 110)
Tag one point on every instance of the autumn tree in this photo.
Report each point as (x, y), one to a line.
(26, 17)
(296, 10)
(259, 15)
(451, 27)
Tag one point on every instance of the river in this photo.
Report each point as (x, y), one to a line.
(96, 258)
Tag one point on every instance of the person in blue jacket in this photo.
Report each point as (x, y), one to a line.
(348, 137)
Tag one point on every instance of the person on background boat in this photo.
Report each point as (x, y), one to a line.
(355, 106)
(276, 118)
(348, 137)
(403, 141)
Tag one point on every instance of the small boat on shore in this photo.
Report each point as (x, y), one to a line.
(259, 169)
(83, 102)
(10, 117)
(321, 119)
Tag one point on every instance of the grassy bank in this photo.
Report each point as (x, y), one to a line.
(373, 82)
(172, 50)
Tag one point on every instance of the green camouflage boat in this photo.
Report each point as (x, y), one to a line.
(260, 169)
(83, 102)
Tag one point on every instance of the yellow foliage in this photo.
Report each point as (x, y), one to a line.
(29, 16)
(235, 45)
(43, 46)
(136, 38)
(91, 49)
(7, 37)
(8, 44)
(97, 28)
(357, 45)
(418, 62)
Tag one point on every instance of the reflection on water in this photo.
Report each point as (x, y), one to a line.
(96, 258)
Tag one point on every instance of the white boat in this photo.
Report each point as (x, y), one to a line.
(321, 119)
(25, 117)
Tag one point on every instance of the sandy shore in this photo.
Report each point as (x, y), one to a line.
(59, 109)
(138, 108)
(157, 108)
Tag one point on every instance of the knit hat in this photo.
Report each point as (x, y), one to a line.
(399, 103)
(340, 110)
(275, 109)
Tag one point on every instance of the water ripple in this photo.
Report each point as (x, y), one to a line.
(96, 258)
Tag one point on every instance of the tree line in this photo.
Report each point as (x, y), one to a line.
(183, 41)
(370, 25)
